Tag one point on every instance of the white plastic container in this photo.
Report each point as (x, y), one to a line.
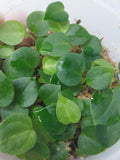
(99, 17)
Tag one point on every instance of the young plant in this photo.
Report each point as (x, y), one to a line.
(42, 114)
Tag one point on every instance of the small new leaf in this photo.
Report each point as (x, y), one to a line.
(67, 111)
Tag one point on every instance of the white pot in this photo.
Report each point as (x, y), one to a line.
(99, 17)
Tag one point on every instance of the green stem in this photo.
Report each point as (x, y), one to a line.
(28, 34)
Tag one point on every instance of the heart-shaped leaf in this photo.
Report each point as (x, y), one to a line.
(93, 47)
(67, 111)
(48, 118)
(49, 65)
(99, 77)
(16, 131)
(6, 51)
(6, 90)
(55, 12)
(36, 23)
(23, 61)
(56, 45)
(12, 32)
(42, 134)
(70, 69)
(58, 151)
(26, 91)
(39, 152)
(77, 34)
(88, 142)
(101, 122)
(48, 93)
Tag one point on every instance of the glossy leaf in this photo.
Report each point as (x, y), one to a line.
(12, 32)
(24, 60)
(49, 65)
(6, 90)
(36, 23)
(70, 69)
(16, 131)
(12, 109)
(39, 152)
(77, 34)
(58, 26)
(58, 151)
(6, 51)
(99, 77)
(67, 111)
(26, 91)
(42, 134)
(93, 47)
(48, 118)
(48, 93)
(55, 12)
(56, 45)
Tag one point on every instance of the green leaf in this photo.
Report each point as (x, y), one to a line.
(68, 94)
(95, 139)
(77, 34)
(21, 156)
(103, 63)
(36, 23)
(39, 42)
(119, 66)
(12, 109)
(117, 92)
(44, 78)
(99, 77)
(70, 69)
(24, 60)
(6, 90)
(48, 93)
(58, 151)
(100, 123)
(12, 32)
(68, 133)
(42, 134)
(55, 12)
(39, 152)
(67, 111)
(26, 91)
(16, 131)
(74, 89)
(89, 60)
(49, 65)
(59, 26)
(93, 47)
(56, 45)
(48, 118)
(12, 73)
(88, 142)
(6, 51)
(104, 107)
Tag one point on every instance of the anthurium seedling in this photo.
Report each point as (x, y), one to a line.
(58, 97)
